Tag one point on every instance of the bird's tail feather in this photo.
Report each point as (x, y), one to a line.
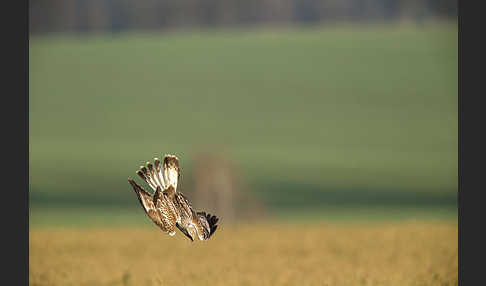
(212, 221)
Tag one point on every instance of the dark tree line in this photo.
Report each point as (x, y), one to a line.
(119, 15)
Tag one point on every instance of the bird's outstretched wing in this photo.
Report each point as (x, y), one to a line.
(156, 207)
(165, 209)
(194, 223)
(171, 172)
(162, 175)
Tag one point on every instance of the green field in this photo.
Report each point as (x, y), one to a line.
(344, 116)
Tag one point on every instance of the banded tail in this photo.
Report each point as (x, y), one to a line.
(208, 222)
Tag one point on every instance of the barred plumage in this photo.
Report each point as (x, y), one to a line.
(168, 208)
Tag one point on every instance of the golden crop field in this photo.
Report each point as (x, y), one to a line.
(383, 253)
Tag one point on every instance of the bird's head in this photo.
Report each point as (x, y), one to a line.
(192, 232)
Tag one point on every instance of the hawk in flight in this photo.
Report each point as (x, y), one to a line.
(167, 207)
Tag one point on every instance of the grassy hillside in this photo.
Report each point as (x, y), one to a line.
(364, 116)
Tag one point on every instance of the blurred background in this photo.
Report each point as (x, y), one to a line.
(277, 109)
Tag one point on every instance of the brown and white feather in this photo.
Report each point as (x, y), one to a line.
(153, 206)
(169, 208)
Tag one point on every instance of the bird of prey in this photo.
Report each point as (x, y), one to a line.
(167, 207)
